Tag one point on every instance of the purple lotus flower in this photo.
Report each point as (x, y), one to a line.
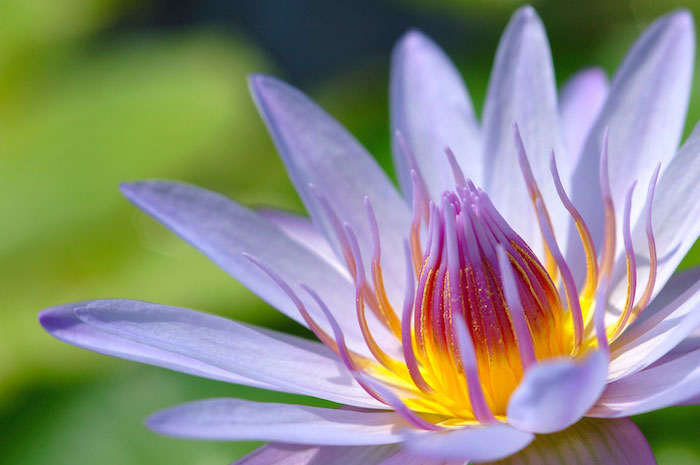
(522, 281)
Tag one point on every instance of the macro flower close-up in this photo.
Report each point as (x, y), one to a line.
(513, 296)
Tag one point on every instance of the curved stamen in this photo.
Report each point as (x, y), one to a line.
(599, 317)
(535, 195)
(382, 357)
(651, 279)
(395, 402)
(607, 259)
(467, 356)
(631, 268)
(385, 308)
(523, 336)
(413, 167)
(421, 306)
(323, 336)
(346, 250)
(337, 227)
(416, 249)
(344, 353)
(456, 169)
(569, 285)
(406, 338)
(585, 235)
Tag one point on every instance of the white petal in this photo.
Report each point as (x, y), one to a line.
(292, 454)
(604, 442)
(522, 90)
(478, 443)
(62, 323)
(645, 112)
(317, 149)
(556, 394)
(671, 381)
(244, 420)
(302, 230)
(223, 230)
(286, 362)
(675, 218)
(431, 107)
(673, 315)
(580, 101)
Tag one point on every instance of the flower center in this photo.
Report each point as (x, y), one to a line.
(480, 308)
(460, 274)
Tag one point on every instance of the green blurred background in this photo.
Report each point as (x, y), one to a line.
(93, 92)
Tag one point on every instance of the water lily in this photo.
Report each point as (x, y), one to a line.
(521, 281)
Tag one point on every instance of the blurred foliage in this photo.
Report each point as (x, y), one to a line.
(88, 100)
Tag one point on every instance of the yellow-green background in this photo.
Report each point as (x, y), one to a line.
(93, 92)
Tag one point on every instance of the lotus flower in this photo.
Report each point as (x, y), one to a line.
(521, 281)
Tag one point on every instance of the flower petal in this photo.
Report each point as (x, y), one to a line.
(645, 113)
(522, 90)
(673, 315)
(302, 230)
(589, 441)
(671, 381)
(317, 149)
(480, 443)
(243, 420)
(406, 458)
(223, 230)
(676, 216)
(62, 323)
(556, 394)
(292, 454)
(580, 100)
(286, 362)
(430, 106)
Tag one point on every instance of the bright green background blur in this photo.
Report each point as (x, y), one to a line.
(93, 92)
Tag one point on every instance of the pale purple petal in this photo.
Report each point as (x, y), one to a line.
(580, 100)
(689, 344)
(605, 442)
(478, 443)
(288, 363)
(676, 215)
(672, 380)
(62, 323)
(679, 284)
(223, 230)
(430, 106)
(645, 113)
(317, 149)
(244, 420)
(693, 401)
(673, 315)
(555, 394)
(522, 90)
(302, 230)
(292, 454)
(407, 458)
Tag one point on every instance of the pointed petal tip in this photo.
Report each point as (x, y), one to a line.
(257, 81)
(526, 11)
(47, 318)
(526, 14)
(263, 86)
(54, 318)
(681, 18)
(413, 38)
(128, 188)
(133, 190)
(593, 73)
